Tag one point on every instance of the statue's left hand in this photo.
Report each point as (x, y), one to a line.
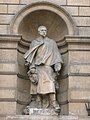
(57, 67)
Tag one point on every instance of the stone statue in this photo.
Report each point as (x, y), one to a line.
(44, 62)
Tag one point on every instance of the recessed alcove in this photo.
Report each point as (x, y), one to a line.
(59, 23)
(56, 26)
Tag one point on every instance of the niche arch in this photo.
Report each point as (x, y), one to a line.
(55, 18)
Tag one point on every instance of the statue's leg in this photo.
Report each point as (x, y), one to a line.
(45, 101)
(39, 101)
(53, 102)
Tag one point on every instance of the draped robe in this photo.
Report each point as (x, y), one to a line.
(43, 54)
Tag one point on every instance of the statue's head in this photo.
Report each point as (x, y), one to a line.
(42, 30)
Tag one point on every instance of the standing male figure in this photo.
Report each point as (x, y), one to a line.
(44, 61)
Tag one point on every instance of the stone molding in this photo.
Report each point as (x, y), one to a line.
(9, 37)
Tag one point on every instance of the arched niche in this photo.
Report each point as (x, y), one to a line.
(58, 22)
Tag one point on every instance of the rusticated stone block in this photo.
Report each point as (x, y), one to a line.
(82, 21)
(79, 95)
(9, 93)
(3, 29)
(79, 56)
(72, 10)
(79, 69)
(84, 31)
(14, 8)
(6, 55)
(80, 82)
(5, 19)
(84, 11)
(7, 44)
(77, 109)
(3, 8)
(7, 108)
(7, 81)
(10, 67)
(10, 1)
(78, 2)
(59, 2)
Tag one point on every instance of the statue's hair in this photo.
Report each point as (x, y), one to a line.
(41, 27)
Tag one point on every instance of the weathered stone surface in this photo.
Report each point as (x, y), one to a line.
(84, 31)
(77, 109)
(79, 46)
(78, 2)
(2, 118)
(35, 111)
(72, 10)
(6, 55)
(23, 97)
(9, 93)
(20, 108)
(63, 97)
(84, 118)
(79, 57)
(7, 81)
(22, 83)
(80, 82)
(10, 67)
(80, 69)
(3, 8)
(63, 85)
(14, 8)
(10, 1)
(82, 21)
(3, 29)
(84, 11)
(7, 108)
(79, 95)
(64, 109)
(59, 2)
(5, 19)
(38, 117)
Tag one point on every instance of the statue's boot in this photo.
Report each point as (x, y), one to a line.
(53, 102)
(39, 101)
(45, 101)
(56, 106)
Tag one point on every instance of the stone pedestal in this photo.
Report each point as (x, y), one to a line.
(41, 117)
(35, 111)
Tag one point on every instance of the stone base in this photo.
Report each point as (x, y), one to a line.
(36, 111)
(41, 117)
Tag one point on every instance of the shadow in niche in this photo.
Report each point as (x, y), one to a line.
(57, 29)
(56, 26)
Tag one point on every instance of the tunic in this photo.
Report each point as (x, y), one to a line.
(44, 54)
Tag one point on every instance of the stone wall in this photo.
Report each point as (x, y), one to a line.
(74, 89)
(78, 9)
